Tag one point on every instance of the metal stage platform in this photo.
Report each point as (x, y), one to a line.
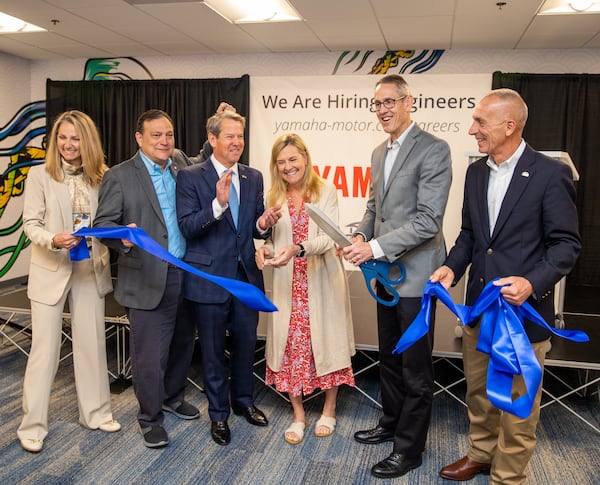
(584, 358)
(15, 321)
(15, 329)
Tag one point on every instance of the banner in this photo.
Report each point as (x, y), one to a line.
(331, 114)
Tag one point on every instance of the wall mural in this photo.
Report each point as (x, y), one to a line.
(409, 62)
(21, 158)
(22, 155)
(115, 69)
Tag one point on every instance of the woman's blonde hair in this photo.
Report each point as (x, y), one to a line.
(311, 182)
(90, 147)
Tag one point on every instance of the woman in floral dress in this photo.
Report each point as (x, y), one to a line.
(310, 340)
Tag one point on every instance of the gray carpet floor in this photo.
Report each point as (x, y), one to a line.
(568, 450)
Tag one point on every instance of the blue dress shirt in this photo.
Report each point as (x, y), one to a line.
(164, 186)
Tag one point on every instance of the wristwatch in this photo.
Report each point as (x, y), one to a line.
(302, 251)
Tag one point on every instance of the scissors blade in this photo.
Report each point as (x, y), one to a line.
(329, 227)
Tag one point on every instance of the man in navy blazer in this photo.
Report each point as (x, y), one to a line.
(141, 192)
(519, 223)
(220, 209)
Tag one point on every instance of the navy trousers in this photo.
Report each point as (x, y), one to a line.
(407, 379)
(161, 343)
(227, 326)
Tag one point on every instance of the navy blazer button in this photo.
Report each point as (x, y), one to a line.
(489, 251)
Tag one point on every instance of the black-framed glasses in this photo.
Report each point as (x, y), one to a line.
(388, 103)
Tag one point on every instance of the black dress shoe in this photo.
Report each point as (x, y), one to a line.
(396, 465)
(219, 430)
(252, 414)
(379, 434)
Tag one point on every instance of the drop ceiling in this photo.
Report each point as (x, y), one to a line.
(113, 28)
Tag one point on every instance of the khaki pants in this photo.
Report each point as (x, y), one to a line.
(500, 438)
(89, 355)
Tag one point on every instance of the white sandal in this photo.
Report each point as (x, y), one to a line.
(297, 428)
(327, 422)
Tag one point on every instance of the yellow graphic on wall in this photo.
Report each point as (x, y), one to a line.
(20, 155)
(391, 62)
(23, 128)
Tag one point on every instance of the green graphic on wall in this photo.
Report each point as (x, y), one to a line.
(21, 157)
(18, 153)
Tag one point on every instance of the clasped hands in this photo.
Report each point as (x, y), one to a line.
(265, 257)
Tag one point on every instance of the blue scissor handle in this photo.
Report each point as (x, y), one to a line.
(382, 272)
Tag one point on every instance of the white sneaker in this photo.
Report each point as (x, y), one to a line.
(110, 426)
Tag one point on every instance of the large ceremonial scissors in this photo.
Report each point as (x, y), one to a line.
(387, 274)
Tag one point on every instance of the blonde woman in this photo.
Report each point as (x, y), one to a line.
(60, 197)
(310, 339)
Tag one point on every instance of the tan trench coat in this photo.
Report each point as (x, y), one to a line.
(331, 329)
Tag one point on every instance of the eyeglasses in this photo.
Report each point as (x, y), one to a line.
(388, 103)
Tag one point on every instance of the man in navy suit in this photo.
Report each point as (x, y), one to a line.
(220, 210)
(519, 223)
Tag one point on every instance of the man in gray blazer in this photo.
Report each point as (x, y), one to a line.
(140, 192)
(411, 175)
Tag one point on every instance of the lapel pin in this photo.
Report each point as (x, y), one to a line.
(524, 174)
(243, 176)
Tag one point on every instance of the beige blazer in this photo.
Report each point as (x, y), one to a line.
(331, 329)
(48, 211)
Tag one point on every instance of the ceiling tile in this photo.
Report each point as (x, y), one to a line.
(190, 27)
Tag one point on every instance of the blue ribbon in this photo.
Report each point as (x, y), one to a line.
(501, 336)
(421, 324)
(245, 292)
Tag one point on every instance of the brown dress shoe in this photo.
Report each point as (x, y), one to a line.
(464, 469)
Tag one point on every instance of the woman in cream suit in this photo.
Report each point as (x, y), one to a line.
(310, 339)
(61, 196)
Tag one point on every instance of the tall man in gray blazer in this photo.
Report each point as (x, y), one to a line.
(141, 192)
(411, 175)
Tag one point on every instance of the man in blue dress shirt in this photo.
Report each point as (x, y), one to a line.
(140, 192)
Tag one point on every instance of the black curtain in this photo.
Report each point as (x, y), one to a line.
(563, 116)
(116, 105)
